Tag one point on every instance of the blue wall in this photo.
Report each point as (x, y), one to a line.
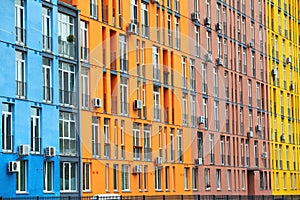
(34, 97)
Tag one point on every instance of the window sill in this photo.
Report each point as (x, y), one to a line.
(7, 151)
(87, 191)
(195, 189)
(48, 192)
(186, 189)
(158, 190)
(207, 189)
(116, 190)
(219, 189)
(22, 192)
(126, 191)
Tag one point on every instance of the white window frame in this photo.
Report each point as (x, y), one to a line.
(20, 21)
(35, 130)
(7, 127)
(66, 185)
(186, 178)
(22, 174)
(47, 40)
(86, 174)
(124, 96)
(48, 173)
(47, 80)
(20, 74)
(95, 138)
(67, 91)
(68, 119)
(125, 177)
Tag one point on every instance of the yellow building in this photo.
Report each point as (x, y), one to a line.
(283, 48)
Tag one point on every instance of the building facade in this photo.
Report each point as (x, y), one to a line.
(283, 63)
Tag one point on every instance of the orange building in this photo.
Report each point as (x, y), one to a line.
(156, 78)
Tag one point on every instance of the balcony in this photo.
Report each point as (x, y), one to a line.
(47, 41)
(148, 154)
(20, 35)
(47, 93)
(145, 30)
(166, 77)
(21, 89)
(156, 74)
(137, 152)
(106, 150)
(204, 88)
(67, 98)
(66, 49)
(156, 113)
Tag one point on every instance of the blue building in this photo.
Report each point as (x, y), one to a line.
(38, 82)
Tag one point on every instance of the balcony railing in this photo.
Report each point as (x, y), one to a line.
(114, 105)
(20, 35)
(36, 144)
(124, 65)
(67, 98)
(204, 88)
(156, 113)
(145, 30)
(166, 115)
(85, 101)
(68, 146)
(148, 154)
(47, 93)
(124, 108)
(184, 119)
(66, 49)
(85, 54)
(47, 41)
(156, 73)
(21, 89)
(166, 77)
(106, 150)
(212, 158)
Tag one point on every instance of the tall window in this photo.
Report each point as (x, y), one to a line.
(66, 38)
(21, 183)
(20, 74)
(48, 176)
(85, 100)
(197, 41)
(216, 82)
(192, 74)
(20, 21)
(218, 179)
(125, 177)
(7, 137)
(204, 78)
(207, 178)
(95, 138)
(147, 143)
(158, 173)
(207, 8)
(172, 145)
(179, 145)
(115, 177)
(156, 65)
(229, 179)
(66, 84)
(208, 41)
(137, 147)
(47, 40)
(167, 179)
(216, 115)
(170, 38)
(86, 173)
(84, 40)
(106, 138)
(222, 152)
(205, 113)
(193, 111)
(195, 178)
(177, 33)
(93, 9)
(184, 72)
(67, 133)
(123, 54)
(124, 95)
(68, 177)
(186, 178)
(134, 11)
(211, 148)
(200, 147)
(47, 80)
(145, 26)
(184, 110)
(35, 130)
(156, 98)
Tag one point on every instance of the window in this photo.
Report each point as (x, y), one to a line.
(68, 177)
(204, 82)
(228, 150)
(208, 42)
(179, 145)
(95, 138)
(147, 143)
(134, 11)
(67, 133)
(20, 21)
(172, 145)
(145, 178)
(167, 180)
(145, 26)
(137, 147)
(66, 84)
(156, 96)
(184, 72)
(125, 178)
(207, 8)
(35, 130)
(47, 80)
(115, 177)
(170, 38)
(85, 100)
(229, 179)
(177, 34)
(195, 178)
(192, 74)
(205, 113)
(48, 176)
(218, 179)
(197, 41)
(47, 41)
(243, 180)
(20, 74)
(207, 178)
(216, 115)
(211, 148)
(93, 9)
(193, 111)
(186, 178)
(123, 54)
(106, 177)
(222, 150)
(66, 38)
(200, 147)
(216, 82)
(124, 95)
(7, 137)
(249, 93)
(86, 171)
(106, 137)
(21, 177)
(156, 68)
(122, 139)
(158, 173)
(84, 40)
(184, 110)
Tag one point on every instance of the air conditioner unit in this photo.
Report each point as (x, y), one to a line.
(264, 155)
(198, 161)
(50, 151)
(201, 120)
(250, 134)
(292, 87)
(158, 161)
(258, 128)
(24, 150)
(207, 21)
(137, 105)
(219, 27)
(14, 166)
(209, 57)
(288, 60)
(219, 62)
(282, 138)
(251, 44)
(195, 16)
(97, 103)
(274, 72)
(132, 28)
(154, 1)
(137, 169)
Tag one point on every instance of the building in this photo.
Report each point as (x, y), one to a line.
(29, 99)
(283, 63)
